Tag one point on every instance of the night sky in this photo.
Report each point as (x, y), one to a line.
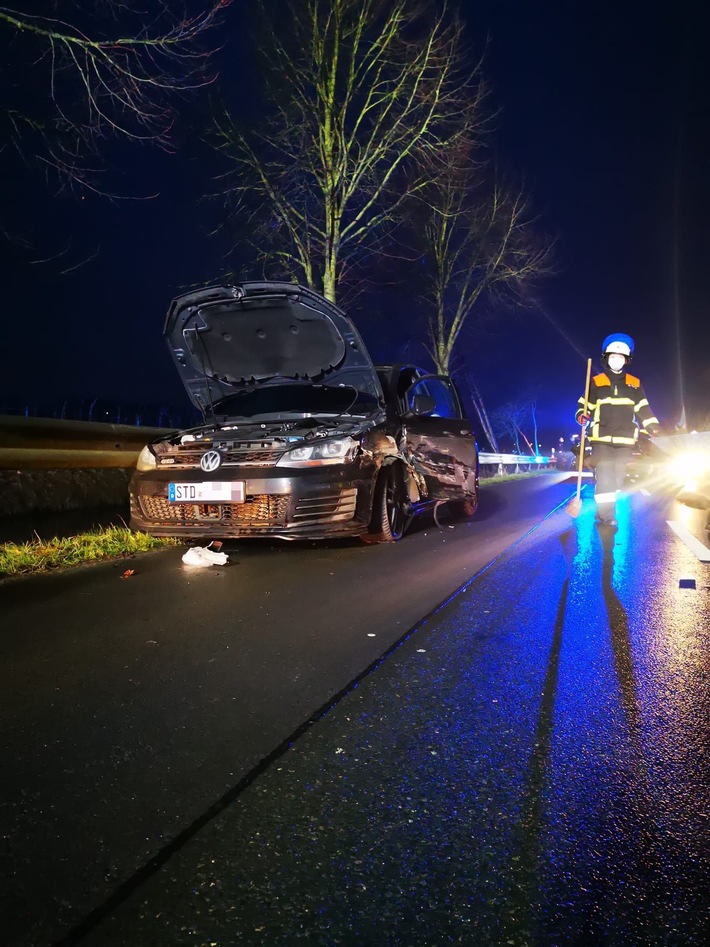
(603, 113)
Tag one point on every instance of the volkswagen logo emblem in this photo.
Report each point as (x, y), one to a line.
(210, 460)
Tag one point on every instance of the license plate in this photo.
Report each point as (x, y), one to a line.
(210, 492)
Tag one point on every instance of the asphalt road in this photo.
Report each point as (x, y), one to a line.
(131, 705)
(528, 766)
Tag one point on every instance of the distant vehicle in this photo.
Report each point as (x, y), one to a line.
(683, 463)
(567, 455)
(302, 436)
(564, 460)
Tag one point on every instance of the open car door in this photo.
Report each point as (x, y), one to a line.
(438, 438)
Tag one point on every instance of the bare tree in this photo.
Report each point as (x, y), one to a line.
(369, 97)
(510, 420)
(483, 416)
(533, 418)
(104, 69)
(482, 247)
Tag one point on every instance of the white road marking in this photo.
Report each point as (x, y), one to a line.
(692, 542)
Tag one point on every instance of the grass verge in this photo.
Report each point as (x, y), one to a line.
(45, 555)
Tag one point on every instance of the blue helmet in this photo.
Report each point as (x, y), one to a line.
(618, 343)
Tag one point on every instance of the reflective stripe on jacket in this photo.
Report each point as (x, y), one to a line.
(618, 407)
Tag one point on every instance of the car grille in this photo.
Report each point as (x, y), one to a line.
(326, 509)
(246, 455)
(262, 509)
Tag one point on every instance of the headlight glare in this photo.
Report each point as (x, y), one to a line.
(689, 466)
(146, 459)
(340, 450)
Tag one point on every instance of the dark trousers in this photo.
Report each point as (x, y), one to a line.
(611, 461)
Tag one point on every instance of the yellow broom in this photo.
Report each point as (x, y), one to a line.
(574, 507)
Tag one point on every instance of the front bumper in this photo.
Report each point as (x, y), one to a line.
(313, 503)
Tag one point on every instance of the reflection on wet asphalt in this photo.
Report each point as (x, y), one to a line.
(529, 767)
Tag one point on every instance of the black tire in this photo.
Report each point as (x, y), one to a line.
(465, 509)
(389, 516)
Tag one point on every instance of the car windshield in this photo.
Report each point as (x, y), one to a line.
(280, 401)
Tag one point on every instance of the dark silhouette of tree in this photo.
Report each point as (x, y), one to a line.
(78, 74)
(482, 248)
(368, 99)
(510, 420)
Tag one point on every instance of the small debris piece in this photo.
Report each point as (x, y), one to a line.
(128, 573)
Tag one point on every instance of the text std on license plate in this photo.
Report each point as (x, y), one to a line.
(231, 491)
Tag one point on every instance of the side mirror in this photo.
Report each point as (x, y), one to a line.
(423, 405)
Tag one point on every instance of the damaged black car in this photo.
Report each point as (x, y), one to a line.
(303, 437)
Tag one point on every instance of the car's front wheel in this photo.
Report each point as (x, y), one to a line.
(390, 517)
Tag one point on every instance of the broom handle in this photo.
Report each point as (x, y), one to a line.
(580, 462)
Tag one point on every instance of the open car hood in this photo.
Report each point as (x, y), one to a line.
(227, 339)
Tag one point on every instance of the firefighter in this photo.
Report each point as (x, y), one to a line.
(617, 409)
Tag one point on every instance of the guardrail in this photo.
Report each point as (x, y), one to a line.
(51, 444)
(502, 461)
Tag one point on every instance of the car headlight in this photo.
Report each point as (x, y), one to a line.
(146, 459)
(340, 451)
(686, 467)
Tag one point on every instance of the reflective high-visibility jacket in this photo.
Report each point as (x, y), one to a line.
(618, 407)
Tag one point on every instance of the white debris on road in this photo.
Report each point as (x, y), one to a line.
(202, 556)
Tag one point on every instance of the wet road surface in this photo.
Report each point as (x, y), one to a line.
(130, 706)
(529, 766)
